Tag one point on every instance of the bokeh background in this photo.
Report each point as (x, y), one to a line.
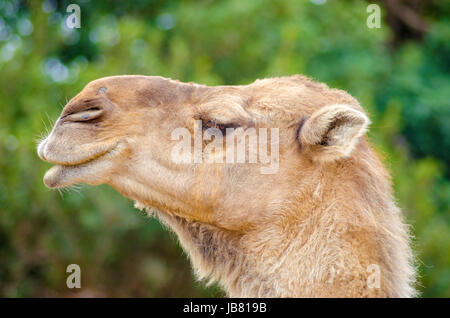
(399, 73)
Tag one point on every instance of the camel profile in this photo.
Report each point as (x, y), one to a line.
(323, 224)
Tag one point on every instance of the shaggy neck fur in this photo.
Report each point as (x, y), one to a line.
(330, 241)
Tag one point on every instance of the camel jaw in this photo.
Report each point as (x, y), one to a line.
(60, 176)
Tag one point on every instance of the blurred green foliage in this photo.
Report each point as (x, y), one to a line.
(121, 251)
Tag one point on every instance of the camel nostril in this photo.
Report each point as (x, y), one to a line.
(85, 115)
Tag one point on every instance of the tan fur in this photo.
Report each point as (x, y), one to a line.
(312, 229)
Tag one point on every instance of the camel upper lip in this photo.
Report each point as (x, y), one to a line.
(85, 160)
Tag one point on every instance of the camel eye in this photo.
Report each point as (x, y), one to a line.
(207, 124)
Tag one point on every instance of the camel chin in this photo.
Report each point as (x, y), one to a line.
(62, 176)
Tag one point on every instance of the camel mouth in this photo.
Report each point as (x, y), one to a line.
(82, 161)
(72, 158)
(86, 170)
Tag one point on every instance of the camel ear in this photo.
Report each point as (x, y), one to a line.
(333, 131)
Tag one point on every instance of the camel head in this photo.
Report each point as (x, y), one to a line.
(140, 134)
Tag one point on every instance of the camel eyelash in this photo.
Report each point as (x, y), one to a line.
(93, 109)
(206, 124)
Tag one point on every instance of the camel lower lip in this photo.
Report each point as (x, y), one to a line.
(60, 176)
(53, 175)
(64, 175)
